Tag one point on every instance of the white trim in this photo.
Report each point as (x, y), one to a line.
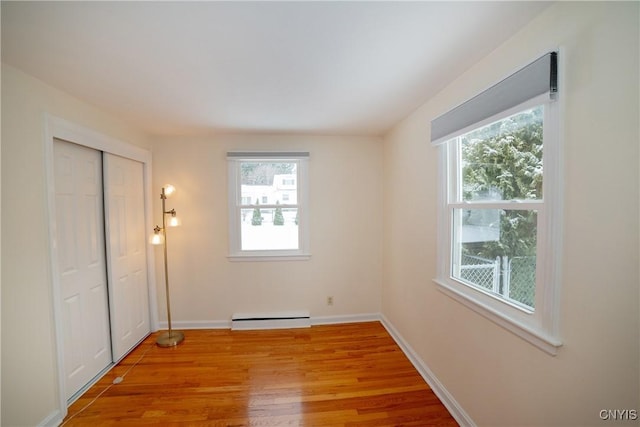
(539, 327)
(54, 419)
(196, 324)
(437, 387)
(544, 342)
(524, 205)
(57, 128)
(270, 257)
(345, 318)
(71, 132)
(554, 230)
(315, 320)
(236, 253)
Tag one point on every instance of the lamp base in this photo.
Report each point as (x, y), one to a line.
(170, 339)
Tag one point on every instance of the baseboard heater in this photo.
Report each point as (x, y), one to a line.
(281, 320)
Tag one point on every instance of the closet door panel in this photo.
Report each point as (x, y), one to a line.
(81, 265)
(126, 253)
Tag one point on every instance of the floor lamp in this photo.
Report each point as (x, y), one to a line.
(170, 338)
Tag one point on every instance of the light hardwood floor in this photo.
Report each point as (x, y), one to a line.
(337, 375)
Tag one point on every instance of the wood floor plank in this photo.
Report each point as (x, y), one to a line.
(344, 375)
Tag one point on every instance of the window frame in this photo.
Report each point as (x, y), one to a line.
(540, 327)
(235, 206)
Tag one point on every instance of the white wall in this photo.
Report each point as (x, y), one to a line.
(498, 378)
(346, 231)
(29, 379)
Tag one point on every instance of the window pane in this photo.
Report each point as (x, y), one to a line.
(269, 228)
(503, 160)
(267, 183)
(495, 250)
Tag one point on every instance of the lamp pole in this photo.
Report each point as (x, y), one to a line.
(170, 338)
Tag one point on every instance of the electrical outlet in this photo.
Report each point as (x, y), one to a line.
(329, 300)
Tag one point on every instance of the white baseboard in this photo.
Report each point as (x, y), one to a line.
(54, 419)
(347, 318)
(196, 324)
(443, 394)
(315, 320)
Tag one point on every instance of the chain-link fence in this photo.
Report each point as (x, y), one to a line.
(512, 278)
(480, 271)
(522, 280)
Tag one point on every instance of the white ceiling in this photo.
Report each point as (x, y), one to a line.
(173, 68)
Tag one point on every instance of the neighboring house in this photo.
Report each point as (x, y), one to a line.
(282, 191)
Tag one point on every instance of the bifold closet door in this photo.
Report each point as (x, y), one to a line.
(81, 263)
(126, 253)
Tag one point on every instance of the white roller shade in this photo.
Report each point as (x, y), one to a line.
(537, 78)
(259, 155)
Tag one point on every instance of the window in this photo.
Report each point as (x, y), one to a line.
(494, 245)
(268, 219)
(500, 203)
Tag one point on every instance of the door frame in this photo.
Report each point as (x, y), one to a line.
(57, 128)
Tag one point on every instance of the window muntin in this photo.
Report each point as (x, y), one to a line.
(267, 206)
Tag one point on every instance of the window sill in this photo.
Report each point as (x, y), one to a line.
(260, 258)
(532, 335)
